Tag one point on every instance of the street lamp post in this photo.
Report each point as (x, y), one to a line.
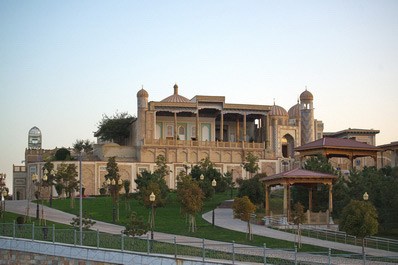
(81, 198)
(152, 198)
(35, 181)
(213, 184)
(2, 190)
(4, 193)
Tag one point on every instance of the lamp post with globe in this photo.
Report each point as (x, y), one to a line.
(213, 184)
(152, 198)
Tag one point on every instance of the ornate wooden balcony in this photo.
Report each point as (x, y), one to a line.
(205, 144)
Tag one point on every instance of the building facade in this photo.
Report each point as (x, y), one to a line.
(186, 131)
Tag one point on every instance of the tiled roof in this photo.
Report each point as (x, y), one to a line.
(294, 112)
(278, 111)
(175, 98)
(336, 143)
(392, 145)
(298, 173)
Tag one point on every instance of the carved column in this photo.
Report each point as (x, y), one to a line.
(237, 129)
(222, 127)
(197, 125)
(244, 127)
(175, 125)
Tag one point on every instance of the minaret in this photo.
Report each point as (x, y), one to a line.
(307, 117)
(142, 107)
(34, 138)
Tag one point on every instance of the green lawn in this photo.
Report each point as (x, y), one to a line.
(169, 220)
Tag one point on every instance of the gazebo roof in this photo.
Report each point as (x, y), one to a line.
(298, 175)
(340, 143)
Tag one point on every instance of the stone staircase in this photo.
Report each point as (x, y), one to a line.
(226, 204)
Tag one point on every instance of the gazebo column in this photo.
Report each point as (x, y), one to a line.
(244, 127)
(267, 210)
(288, 202)
(285, 199)
(310, 199)
(175, 126)
(330, 198)
(222, 127)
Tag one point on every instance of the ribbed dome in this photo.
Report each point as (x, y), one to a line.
(142, 93)
(175, 97)
(278, 111)
(306, 95)
(294, 112)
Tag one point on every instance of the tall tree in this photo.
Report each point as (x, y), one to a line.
(250, 164)
(359, 218)
(253, 189)
(207, 168)
(115, 128)
(66, 178)
(190, 197)
(243, 208)
(83, 145)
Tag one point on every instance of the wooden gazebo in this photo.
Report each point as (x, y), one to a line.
(338, 147)
(298, 176)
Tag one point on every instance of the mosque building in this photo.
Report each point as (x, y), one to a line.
(185, 131)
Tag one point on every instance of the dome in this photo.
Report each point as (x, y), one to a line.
(34, 131)
(175, 97)
(306, 95)
(278, 111)
(142, 93)
(294, 112)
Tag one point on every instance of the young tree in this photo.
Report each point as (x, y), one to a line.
(250, 164)
(230, 181)
(115, 128)
(299, 217)
(115, 183)
(190, 197)
(66, 179)
(144, 179)
(359, 218)
(243, 207)
(136, 226)
(87, 222)
(126, 185)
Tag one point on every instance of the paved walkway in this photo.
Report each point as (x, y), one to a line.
(224, 219)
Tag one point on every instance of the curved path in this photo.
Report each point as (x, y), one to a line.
(224, 218)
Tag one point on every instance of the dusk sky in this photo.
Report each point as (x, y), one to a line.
(63, 64)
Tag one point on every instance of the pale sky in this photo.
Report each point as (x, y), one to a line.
(65, 63)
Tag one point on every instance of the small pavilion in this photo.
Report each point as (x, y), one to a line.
(338, 147)
(302, 177)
